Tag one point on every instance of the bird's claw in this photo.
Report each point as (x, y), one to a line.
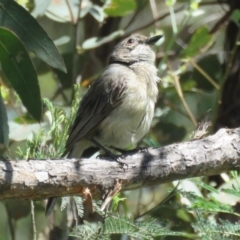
(116, 158)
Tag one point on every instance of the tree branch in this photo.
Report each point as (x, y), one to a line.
(38, 179)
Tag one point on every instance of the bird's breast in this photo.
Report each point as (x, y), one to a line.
(131, 120)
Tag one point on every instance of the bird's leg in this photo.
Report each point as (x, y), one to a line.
(122, 151)
(107, 151)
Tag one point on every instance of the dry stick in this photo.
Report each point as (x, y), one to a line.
(135, 16)
(201, 71)
(33, 221)
(180, 94)
(70, 10)
(176, 10)
(155, 20)
(174, 107)
(153, 10)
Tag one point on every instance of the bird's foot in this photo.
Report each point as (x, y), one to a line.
(113, 157)
(131, 151)
(119, 159)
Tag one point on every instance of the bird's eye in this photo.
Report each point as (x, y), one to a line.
(130, 41)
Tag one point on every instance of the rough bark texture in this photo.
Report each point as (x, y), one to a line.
(37, 179)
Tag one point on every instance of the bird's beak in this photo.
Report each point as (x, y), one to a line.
(154, 39)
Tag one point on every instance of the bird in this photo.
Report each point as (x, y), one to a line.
(117, 110)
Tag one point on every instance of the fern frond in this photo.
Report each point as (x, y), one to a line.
(87, 231)
(97, 207)
(147, 229)
(64, 203)
(233, 192)
(79, 205)
(205, 204)
(223, 230)
(204, 185)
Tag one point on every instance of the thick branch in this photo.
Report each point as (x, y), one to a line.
(37, 179)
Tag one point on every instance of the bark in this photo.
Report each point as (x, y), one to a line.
(38, 179)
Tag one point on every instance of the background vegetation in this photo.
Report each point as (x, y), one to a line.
(198, 62)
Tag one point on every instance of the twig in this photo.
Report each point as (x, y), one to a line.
(156, 20)
(33, 221)
(70, 11)
(180, 94)
(135, 15)
(200, 70)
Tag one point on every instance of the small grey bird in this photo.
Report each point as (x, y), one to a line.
(117, 110)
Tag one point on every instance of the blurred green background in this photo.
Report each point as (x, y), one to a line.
(198, 62)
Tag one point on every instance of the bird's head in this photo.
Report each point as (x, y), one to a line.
(136, 48)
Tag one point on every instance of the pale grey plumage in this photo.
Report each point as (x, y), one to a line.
(130, 83)
(118, 108)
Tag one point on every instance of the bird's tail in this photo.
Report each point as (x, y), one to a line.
(50, 205)
(52, 201)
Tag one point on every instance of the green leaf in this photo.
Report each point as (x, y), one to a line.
(4, 129)
(207, 205)
(231, 191)
(97, 12)
(116, 200)
(20, 21)
(170, 3)
(95, 42)
(204, 185)
(200, 38)
(19, 70)
(40, 7)
(119, 8)
(236, 17)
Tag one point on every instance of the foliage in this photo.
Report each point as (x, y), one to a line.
(79, 205)
(223, 230)
(36, 147)
(19, 21)
(19, 71)
(116, 225)
(18, 31)
(191, 65)
(117, 8)
(4, 130)
(206, 224)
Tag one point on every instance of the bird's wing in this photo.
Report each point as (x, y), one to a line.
(104, 95)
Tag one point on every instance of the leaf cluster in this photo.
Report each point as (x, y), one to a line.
(190, 63)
